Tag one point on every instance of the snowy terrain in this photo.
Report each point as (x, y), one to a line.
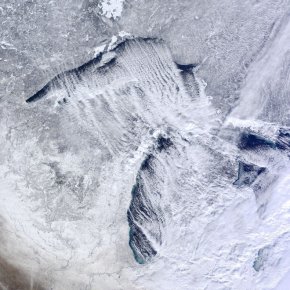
(150, 155)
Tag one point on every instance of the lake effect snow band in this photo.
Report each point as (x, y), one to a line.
(135, 123)
(144, 212)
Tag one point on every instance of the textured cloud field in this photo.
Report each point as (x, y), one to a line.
(149, 150)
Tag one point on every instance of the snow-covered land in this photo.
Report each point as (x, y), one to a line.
(157, 159)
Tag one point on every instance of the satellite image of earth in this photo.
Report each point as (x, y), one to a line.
(145, 145)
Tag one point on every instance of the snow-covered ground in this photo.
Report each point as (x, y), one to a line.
(150, 166)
